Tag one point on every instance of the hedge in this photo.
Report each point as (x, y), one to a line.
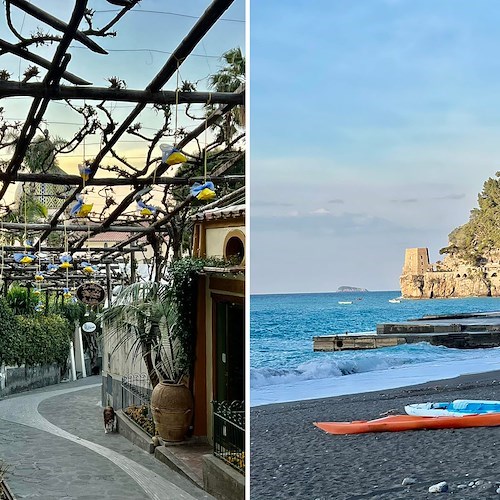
(33, 340)
(11, 341)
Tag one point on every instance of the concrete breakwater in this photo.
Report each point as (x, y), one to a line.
(465, 331)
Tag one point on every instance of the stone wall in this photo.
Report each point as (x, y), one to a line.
(452, 278)
(14, 379)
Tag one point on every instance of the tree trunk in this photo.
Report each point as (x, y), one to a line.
(148, 360)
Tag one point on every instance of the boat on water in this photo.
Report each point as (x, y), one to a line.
(345, 301)
(457, 408)
(394, 301)
(398, 423)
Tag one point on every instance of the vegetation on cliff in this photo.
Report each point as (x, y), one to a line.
(473, 241)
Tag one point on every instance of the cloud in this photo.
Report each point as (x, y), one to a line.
(320, 211)
(457, 196)
(342, 225)
(406, 200)
(452, 196)
(336, 200)
(263, 203)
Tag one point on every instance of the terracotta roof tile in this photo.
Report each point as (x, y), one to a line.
(111, 236)
(230, 212)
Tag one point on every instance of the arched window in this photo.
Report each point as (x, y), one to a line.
(234, 247)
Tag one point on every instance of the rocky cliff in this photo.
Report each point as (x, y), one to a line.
(453, 278)
(471, 266)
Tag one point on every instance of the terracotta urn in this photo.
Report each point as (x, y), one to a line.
(172, 409)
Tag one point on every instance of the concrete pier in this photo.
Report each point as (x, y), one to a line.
(463, 331)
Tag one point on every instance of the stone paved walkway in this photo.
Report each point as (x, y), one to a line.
(54, 442)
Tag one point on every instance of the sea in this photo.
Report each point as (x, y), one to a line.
(283, 366)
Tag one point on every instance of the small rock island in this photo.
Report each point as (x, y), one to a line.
(350, 289)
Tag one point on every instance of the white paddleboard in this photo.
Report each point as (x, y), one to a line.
(457, 408)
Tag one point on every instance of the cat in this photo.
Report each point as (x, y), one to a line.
(109, 419)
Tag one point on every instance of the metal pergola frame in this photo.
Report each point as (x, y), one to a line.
(139, 233)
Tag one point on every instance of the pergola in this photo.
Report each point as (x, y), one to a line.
(115, 234)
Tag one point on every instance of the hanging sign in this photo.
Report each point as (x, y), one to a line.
(91, 294)
(89, 327)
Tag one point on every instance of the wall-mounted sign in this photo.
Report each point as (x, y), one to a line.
(91, 293)
(89, 327)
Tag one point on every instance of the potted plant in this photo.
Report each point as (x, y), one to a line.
(144, 313)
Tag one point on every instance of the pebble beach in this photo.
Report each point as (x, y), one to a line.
(291, 458)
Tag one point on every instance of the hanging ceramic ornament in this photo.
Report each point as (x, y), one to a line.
(85, 171)
(24, 258)
(67, 293)
(80, 208)
(27, 243)
(52, 268)
(88, 268)
(203, 192)
(39, 307)
(144, 191)
(144, 209)
(39, 277)
(66, 260)
(171, 155)
(37, 291)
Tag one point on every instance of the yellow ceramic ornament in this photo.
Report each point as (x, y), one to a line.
(39, 277)
(146, 212)
(175, 158)
(206, 194)
(84, 169)
(84, 210)
(171, 155)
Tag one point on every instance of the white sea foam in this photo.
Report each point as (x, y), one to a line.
(335, 374)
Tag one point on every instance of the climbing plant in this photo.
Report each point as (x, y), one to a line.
(183, 285)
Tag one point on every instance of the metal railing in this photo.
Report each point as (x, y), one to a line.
(136, 398)
(229, 433)
(136, 390)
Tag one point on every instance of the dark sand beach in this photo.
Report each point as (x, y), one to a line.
(291, 458)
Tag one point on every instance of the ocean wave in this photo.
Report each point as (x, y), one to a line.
(333, 365)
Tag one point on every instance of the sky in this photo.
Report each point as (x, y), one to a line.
(373, 128)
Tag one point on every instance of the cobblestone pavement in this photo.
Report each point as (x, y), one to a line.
(53, 440)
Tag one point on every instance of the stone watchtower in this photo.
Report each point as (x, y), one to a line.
(416, 261)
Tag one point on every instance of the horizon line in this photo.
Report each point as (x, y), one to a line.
(311, 293)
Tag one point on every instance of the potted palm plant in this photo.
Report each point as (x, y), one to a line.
(144, 314)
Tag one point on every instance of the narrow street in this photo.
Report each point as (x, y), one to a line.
(54, 443)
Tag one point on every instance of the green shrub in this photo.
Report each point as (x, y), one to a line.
(33, 339)
(21, 300)
(11, 339)
(46, 339)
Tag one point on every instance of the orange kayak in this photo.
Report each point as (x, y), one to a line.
(396, 423)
